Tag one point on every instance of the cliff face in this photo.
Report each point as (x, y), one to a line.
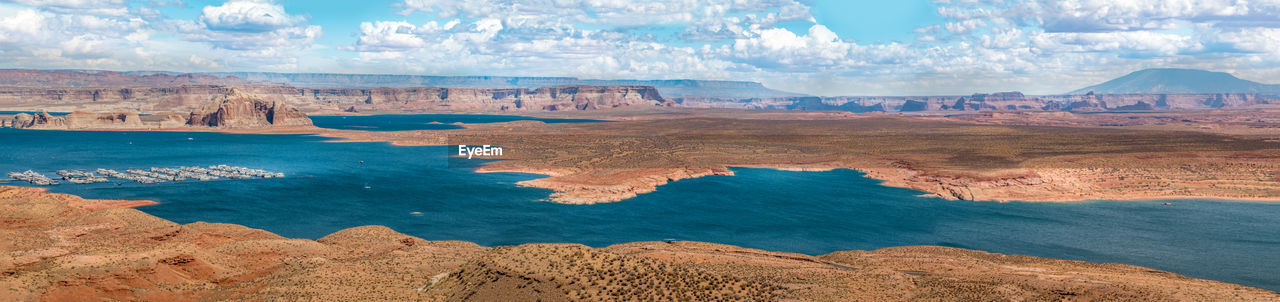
(488, 100)
(242, 110)
(64, 248)
(79, 120)
(64, 78)
(83, 120)
(232, 109)
(144, 99)
(187, 98)
(40, 120)
(1003, 101)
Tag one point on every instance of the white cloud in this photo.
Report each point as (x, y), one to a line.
(1102, 15)
(111, 35)
(1124, 42)
(248, 16)
(777, 48)
(261, 28)
(392, 36)
(115, 8)
(1258, 40)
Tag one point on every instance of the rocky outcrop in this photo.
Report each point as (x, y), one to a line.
(242, 110)
(107, 120)
(913, 105)
(1088, 103)
(79, 120)
(42, 120)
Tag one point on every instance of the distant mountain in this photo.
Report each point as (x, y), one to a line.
(1170, 80)
(668, 88)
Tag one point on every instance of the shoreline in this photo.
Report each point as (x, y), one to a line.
(62, 251)
(13, 192)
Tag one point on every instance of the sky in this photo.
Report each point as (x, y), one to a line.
(818, 47)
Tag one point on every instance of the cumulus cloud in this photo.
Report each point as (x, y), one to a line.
(262, 27)
(110, 34)
(30, 28)
(778, 48)
(248, 16)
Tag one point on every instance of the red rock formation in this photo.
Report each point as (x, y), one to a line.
(79, 120)
(242, 110)
(87, 120)
(42, 120)
(145, 99)
(484, 99)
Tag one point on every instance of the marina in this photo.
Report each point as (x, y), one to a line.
(80, 177)
(149, 176)
(33, 177)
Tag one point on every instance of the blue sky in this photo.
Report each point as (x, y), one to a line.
(820, 47)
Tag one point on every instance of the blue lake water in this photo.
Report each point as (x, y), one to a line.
(33, 112)
(806, 212)
(401, 122)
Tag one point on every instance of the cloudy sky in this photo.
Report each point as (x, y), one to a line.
(820, 47)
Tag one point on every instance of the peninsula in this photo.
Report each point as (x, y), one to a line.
(952, 158)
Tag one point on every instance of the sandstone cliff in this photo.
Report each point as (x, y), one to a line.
(79, 120)
(86, 120)
(69, 78)
(558, 98)
(42, 120)
(1001, 101)
(60, 247)
(420, 99)
(242, 110)
(143, 99)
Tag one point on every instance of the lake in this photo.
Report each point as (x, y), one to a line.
(413, 190)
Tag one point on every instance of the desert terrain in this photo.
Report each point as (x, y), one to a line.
(61, 247)
(948, 157)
